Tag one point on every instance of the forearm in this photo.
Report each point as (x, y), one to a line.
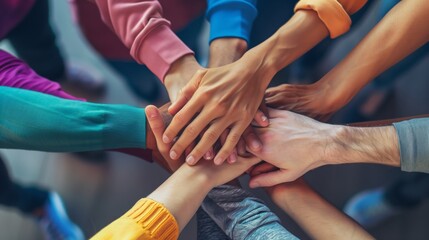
(182, 202)
(142, 28)
(364, 145)
(36, 121)
(406, 28)
(316, 216)
(234, 210)
(302, 32)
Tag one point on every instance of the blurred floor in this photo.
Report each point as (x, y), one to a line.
(97, 193)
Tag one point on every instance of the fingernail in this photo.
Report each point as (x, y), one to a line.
(233, 158)
(165, 139)
(208, 156)
(256, 144)
(264, 118)
(173, 154)
(190, 160)
(218, 160)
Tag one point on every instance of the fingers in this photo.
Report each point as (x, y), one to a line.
(208, 140)
(186, 93)
(252, 141)
(231, 142)
(262, 168)
(156, 121)
(191, 132)
(270, 179)
(261, 119)
(180, 120)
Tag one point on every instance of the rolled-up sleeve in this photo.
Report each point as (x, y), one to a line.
(335, 14)
(413, 138)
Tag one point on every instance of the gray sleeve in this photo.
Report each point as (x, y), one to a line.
(413, 138)
(243, 216)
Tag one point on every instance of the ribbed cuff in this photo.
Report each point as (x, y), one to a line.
(413, 138)
(125, 127)
(159, 49)
(154, 218)
(330, 12)
(231, 19)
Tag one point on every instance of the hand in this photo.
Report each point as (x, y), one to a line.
(294, 144)
(224, 98)
(180, 73)
(313, 100)
(158, 119)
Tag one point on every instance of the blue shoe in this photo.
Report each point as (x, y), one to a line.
(369, 208)
(55, 223)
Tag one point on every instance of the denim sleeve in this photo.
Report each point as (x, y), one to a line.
(414, 144)
(243, 216)
(231, 18)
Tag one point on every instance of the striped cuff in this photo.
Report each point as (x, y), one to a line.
(330, 12)
(154, 218)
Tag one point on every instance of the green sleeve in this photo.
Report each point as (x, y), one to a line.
(35, 121)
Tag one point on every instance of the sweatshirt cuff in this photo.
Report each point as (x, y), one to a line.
(125, 125)
(154, 218)
(159, 49)
(330, 12)
(413, 138)
(231, 19)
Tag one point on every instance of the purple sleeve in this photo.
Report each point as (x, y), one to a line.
(17, 74)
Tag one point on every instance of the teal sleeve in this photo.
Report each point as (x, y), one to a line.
(413, 138)
(35, 121)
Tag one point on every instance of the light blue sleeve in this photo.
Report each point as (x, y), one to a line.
(413, 138)
(231, 18)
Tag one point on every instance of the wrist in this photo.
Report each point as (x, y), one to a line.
(181, 70)
(226, 50)
(150, 137)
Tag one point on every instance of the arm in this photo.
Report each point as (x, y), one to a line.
(234, 210)
(36, 121)
(314, 214)
(173, 205)
(340, 85)
(17, 74)
(230, 26)
(291, 135)
(141, 27)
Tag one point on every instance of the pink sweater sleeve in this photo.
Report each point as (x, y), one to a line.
(15, 73)
(141, 27)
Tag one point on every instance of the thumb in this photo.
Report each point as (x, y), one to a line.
(270, 179)
(156, 122)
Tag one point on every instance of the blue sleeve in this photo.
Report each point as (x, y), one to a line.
(231, 18)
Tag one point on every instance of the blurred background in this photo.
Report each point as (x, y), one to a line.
(98, 190)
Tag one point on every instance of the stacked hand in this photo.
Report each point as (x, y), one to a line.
(215, 100)
(292, 145)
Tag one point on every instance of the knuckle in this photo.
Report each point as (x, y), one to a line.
(211, 136)
(191, 131)
(179, 118)
(234, 138)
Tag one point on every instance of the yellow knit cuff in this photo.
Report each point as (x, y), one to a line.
(154, 218)
(330, 12)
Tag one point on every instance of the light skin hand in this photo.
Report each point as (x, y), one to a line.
(228, 97)
(179, 74)
(295, 144)
(224, 98)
